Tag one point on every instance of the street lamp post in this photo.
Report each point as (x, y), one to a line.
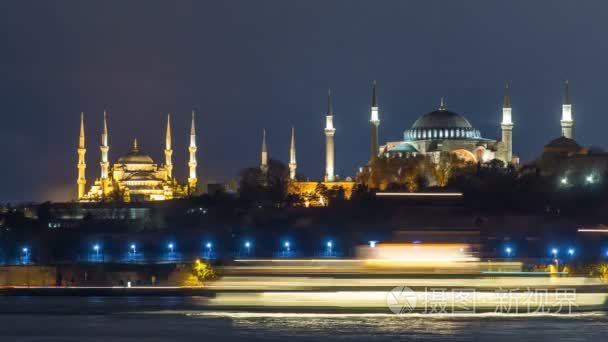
(556, 260)
(208, 245)
(133, 251)
(248, 247)
(26, 260)
(287, 247)
(329, 248)
(96, 249)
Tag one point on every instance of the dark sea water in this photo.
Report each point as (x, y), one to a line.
(177, 319)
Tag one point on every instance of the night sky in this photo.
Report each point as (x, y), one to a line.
(250, 64)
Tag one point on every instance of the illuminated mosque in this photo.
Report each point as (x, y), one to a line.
(135, 176)
(443, 130)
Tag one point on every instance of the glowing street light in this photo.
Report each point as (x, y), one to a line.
(171, 246)
(209, 245)
(589, 179)
(25, 250)
(564, 181)
(329, 247)
(372, 243)
(509, 251)
(133, 249)
(554, 252)
(287, 245)
(571, 251)
(96, 249)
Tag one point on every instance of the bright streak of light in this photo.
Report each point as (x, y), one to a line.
(378, 299)
(593, 230)
(417, 252)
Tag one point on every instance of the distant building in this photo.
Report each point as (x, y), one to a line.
(135, 176)
(565, 158)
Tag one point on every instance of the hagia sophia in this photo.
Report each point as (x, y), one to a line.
(136, 177)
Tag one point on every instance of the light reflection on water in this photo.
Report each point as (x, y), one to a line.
(486, 326)
(92, 319)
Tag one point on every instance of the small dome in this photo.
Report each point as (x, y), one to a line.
(404, 148)
(563, 142)
(135, 157)
(562, 145)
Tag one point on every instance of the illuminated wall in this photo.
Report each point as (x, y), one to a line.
(310, 191)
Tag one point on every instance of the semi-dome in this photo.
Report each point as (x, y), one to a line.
(135, 156)
(441, 124)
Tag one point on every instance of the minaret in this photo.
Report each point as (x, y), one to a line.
(507, 127)
(168, 150)
(264, 156)
(104, 151)
(192, 180)
(292, 156)
(566, 121)
(82, 181)
(330, 131)
(374, 123)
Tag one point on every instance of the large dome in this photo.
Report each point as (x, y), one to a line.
(135, 157)
(441, 124)
(442, 119)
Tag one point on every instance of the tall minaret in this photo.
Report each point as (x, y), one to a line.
(507, 126)
(104, 150)
(264, 156)
(168, 150)
(566, 121)
(82, 181)
(330, 131)
(192, 180)
(374, 123)
(292, 156)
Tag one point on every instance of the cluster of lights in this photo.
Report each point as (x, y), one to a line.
(287, 245)
(589, 179)
(554, 251)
